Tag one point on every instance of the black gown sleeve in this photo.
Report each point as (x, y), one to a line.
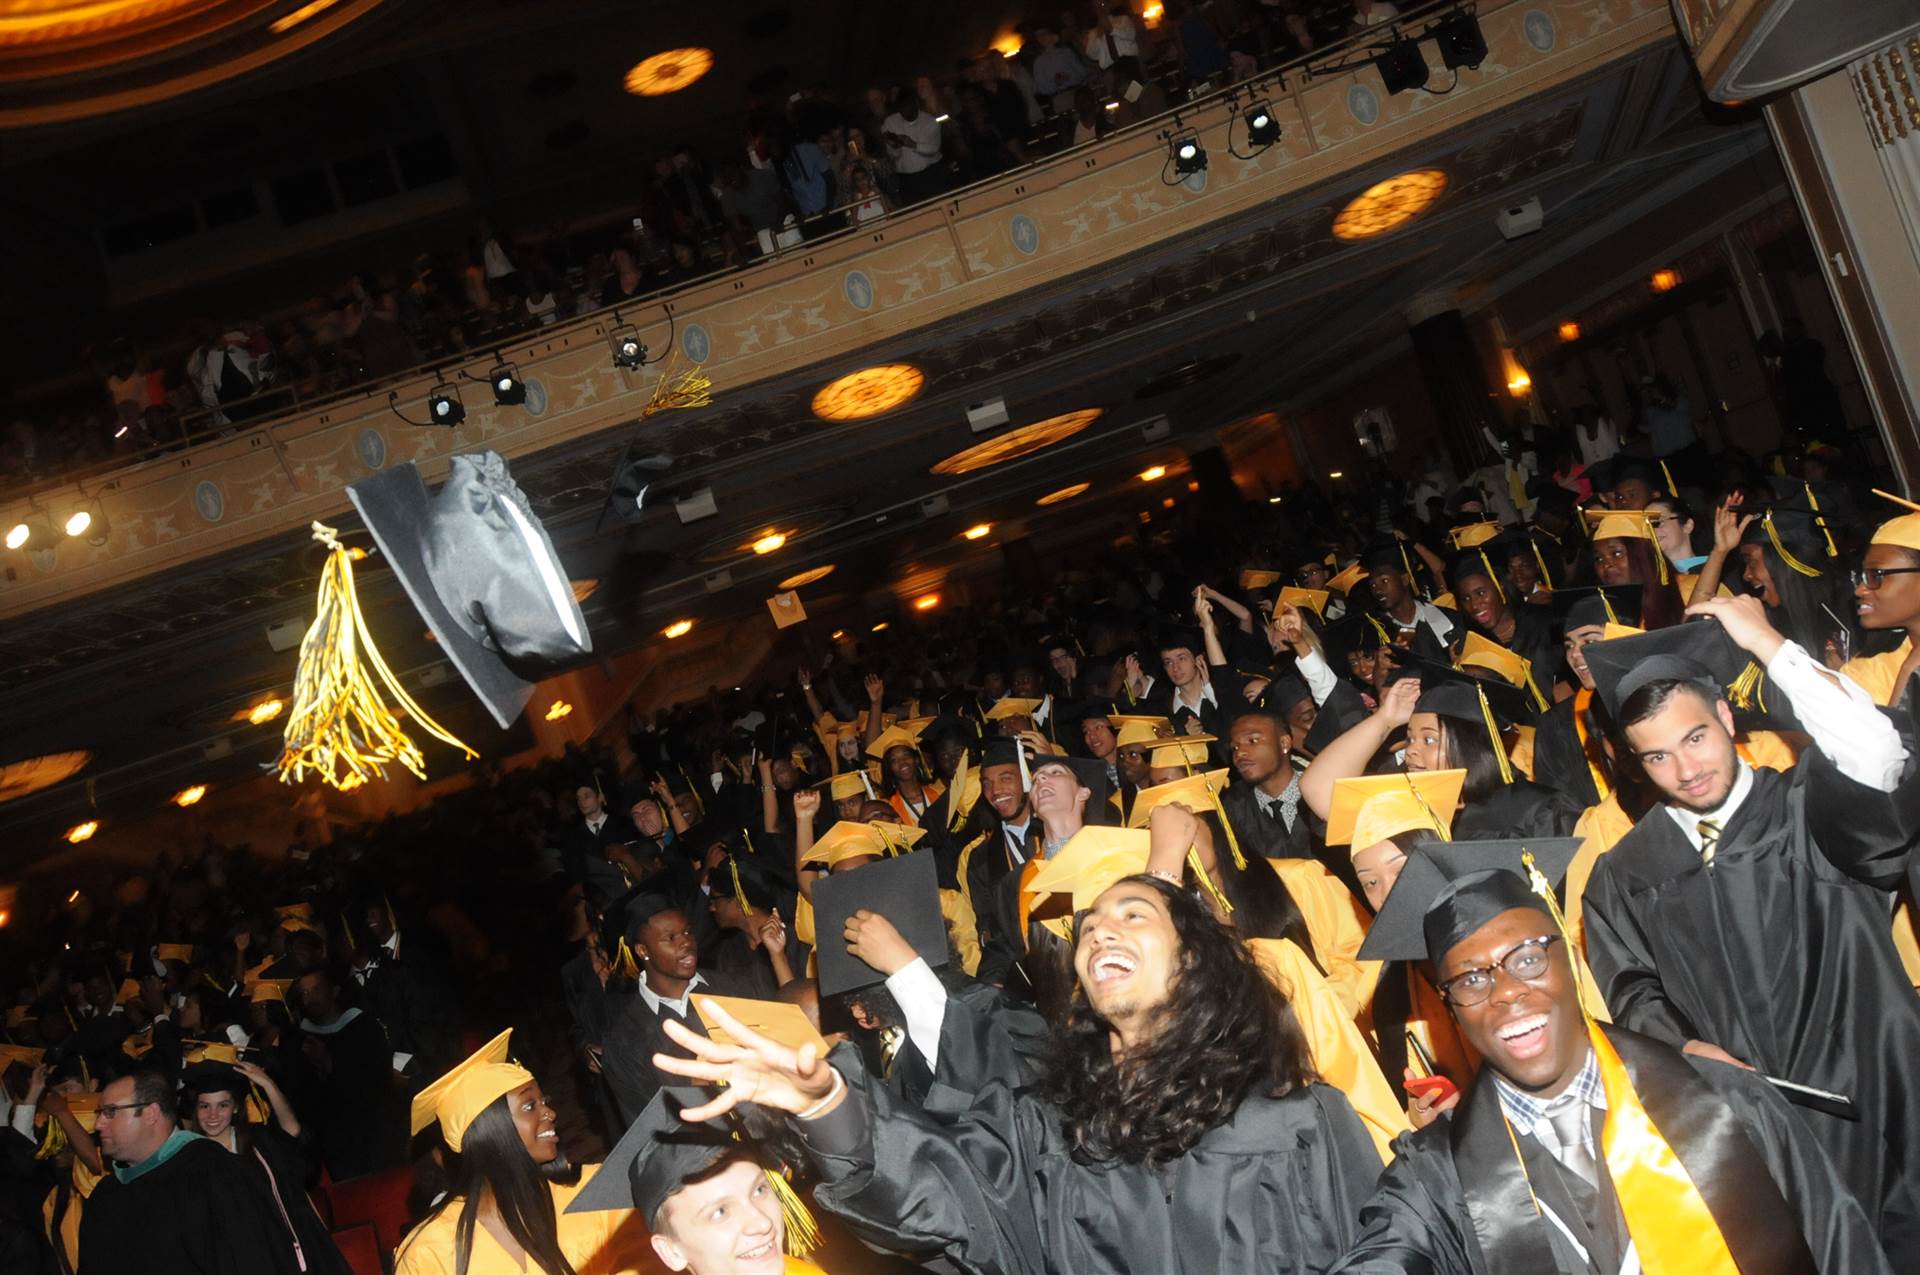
(1623, 962)
(1865, 833)
(1412, 1223)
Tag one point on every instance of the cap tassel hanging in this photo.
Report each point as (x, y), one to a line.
(1493, 737)
(1748, 689)
(1773, 538)
(1493, 576)
(1233, 842)
(340, 726)
(739, 891)
(955, 813)
(1379, 628)
(1207, 883)
(1666, 473)
(1540, 560)
(1813, 503)
(803, 1233)
(698, 804)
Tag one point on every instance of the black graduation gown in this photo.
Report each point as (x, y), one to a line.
(993, 883)
(283, 1166)
(635, 1034)
(414, 1000)
(358, 1110)
(200, 1213)
(1558, 760)
(1779, 957)
(1454, 1201)
(996, 1192)
(1518, 809)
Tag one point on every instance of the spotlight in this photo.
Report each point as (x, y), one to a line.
(1153, 473)
(1189, 156)
(629, 351)
(1402, 66)
(1460, 40)
(88, 520)
(679, 628)
(31, 534)
(444, 406)
(508, 389)
(1263, 126)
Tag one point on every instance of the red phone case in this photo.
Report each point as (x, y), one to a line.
(1439, 1086)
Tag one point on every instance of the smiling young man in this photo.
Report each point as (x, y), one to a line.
(1745, 917)
(1067, 794)
(1582, 1149)
(1886, 591)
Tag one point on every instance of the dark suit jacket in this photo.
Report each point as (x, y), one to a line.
(634, 1035)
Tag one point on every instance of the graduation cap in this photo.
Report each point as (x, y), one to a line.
(853, 783)
(1343, 581)
(1451, 693)
(1622, 524)
(1518, 544)
(1129, 730)
(1698, 650)
(778, 1021)
(480, 570)
(1181, 637)
(1314, 600)
(1618, 469)
(1597, 605)
(1514, 668)
(1368, 809)
(268, 989)
(1005, 750)
(215, 1076)
(1072, 877)
(1387, 555)
(456, 1098)
(21, 1054)
(1284, 690)
(1008, 706)
(1448, 891)
(894, 737)
(1251, 579)
(905, 890)
(1797, 527)
(1181, 750)
(20, 1016)
(128, 993)
(660, 1153)
(182, 952)
(846, 840)
(1903, 531)
(1473, 534)
(1196, 792)
(217, 1051)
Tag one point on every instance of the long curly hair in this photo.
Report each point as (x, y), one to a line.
(1222, 1034)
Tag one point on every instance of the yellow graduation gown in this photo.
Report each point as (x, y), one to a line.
(1876, 674)
(1337, 924)
(611, 1242)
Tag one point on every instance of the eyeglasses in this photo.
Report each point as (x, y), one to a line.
(1526, 961)
(1874, 577)
(106, 1111)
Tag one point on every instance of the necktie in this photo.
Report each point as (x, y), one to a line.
(1709, 830)
(1569, 1126)
(891, 1038)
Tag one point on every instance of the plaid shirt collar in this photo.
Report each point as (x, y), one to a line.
(1524, 1111)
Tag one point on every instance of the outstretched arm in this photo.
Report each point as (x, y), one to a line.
(1350, 752)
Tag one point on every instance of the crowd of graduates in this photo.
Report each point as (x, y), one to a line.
(1312, 891)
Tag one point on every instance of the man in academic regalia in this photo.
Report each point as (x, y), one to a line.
(1012, 838)
(175, 1202)
(1736, 920)
(1263, 803)
(1561, 1158)
(359, 1106)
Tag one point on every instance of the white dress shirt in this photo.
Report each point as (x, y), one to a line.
(923, 1001)
(682, 1007)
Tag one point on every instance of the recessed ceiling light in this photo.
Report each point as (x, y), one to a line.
(926, 602)
(1390, 204)
(287, 22)
(768, 543)
(1153, 473)
(806, 577)
(1016, 443)
(868, 392)
(1569, 331)
(266, 710)
(880, 627)
(81, 831)
(189, 796)
(1338, 473)
(558, 709)
(1065, 493)
(668, 72)
(679, 628)
(979, 531)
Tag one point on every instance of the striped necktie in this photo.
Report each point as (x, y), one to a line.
(1709, 830)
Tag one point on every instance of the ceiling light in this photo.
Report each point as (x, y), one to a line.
(265, 711)
(805, 577)
(1338, 473)
(1263, 126)
(1167, 503)
(838, 634)
(32, 534)
(668, 72)
(1065, 493)
(81, 831)
(1519, 383)
(1016, 443)
(444, 406)
(1007, 43)
(1390, 204)
(629, 351)
(73, 898)
(769, 542)
(926, 602)
(508, 389)
(880, 627)
(287, 22)
(1189, 156)
(1193, 485)
(679, 628)
(1569, 331)
(78, 521)
(558, 709)
(1273, 500)
(1665, 280)
(1153, 473)
(1152, 12)
(189, 796)
(868, 392)
(979, 531)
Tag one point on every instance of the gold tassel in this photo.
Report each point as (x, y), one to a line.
(1539, 700)
(340, 726)
(748, 838)
(1538, 883)
(739, 892)
(1207, 883)
(629, 967)
(691, 388)
(803, 1233)
(1613, 617)
(959, 790)
(1672, 490)
(1493, 736)
(698, 804)
(1774, 537)
(1379, 628)
(1540, 560)
(1233, 842)
(1745, 689)
(1813, 503)
(1493, 576)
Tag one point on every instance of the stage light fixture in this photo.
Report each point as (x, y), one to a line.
(444, 406)
(1402, 66)
(1461, 41)
(629, 351)
(1263, 126)
(33, 534)
(1189, 156)
(508, 389)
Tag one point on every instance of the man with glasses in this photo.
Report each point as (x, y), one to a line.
(1886, 592)
(174, 1203)
(1562, 1156)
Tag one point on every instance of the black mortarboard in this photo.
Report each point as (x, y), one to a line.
(1589, 605)
(1617, 469)
(905, 890)
(1386, 555)
(480, 570)
(658, 1154)
(1697, 649)
(1449, 889)
(999, 750)
(1283, 692)
(1799, 523)
(1452, 693)
(214, 1077)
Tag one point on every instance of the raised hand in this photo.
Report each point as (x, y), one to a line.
(753, 1068)
(806, 803)
(1396, 704)
(873, 939)
(1745, 620)
(875, 687)
(1728, 527)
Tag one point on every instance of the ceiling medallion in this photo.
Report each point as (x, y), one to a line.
(868, 392)
(19, 778)
(1016, 443)
(1390, 204)
(668, 72)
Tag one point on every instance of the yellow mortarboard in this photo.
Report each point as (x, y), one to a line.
(1446, 600)
(138, 1045)
(1903, 531)
(1343, 583)
(174, 951)
(20, 1054)
(268, 989)
(917, 726)
(1184, 750)
(85, 1108)
(1129, 731)
(1011, 707)
(1368, 809)
(1076, 874)
(776, 1020)
(20, 1015)
(1194, 791)
(193, 1051)
(786, 609)
(1314, 600)
(1516, 670)
(463, 1093)
(891, 737)
(129, 991)
(1251, 579)
(1473, 535)
(852, 784)
(846, 840)
(295, 912)
(897, 836)
(1612, 631)
(1622, 524)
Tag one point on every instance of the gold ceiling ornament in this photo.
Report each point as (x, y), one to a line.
(868, 392)
(676, 391)
(1390, 204)
(18, 778)
(668, 72)
(1016, 443)
(340, 726)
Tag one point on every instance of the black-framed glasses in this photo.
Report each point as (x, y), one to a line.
(107, 1110)
(1874, 577)
(1526, 961)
